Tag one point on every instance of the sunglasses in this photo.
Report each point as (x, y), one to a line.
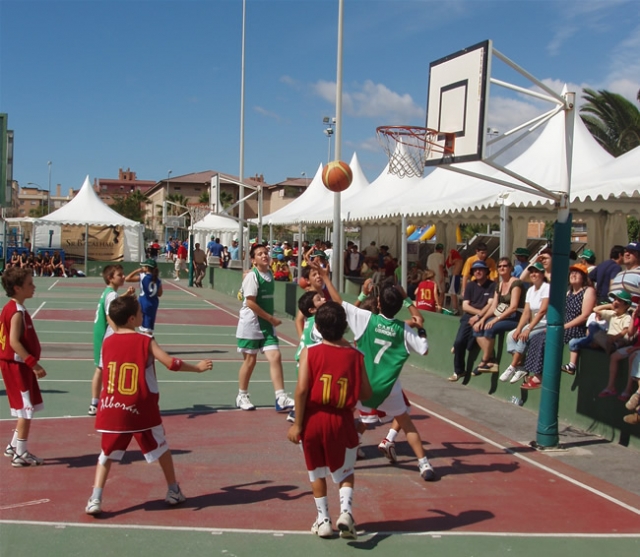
(503, 266)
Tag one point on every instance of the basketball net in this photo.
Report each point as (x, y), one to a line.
(408, 148)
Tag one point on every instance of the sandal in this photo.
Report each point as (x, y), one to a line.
(607, 393)
(624, 396)
(489, 365)
(533, 382)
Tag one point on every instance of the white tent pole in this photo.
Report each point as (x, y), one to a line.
(403, 252)
(86, 249)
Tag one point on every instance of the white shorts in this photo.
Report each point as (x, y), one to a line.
(350, 456)
(179, 265)
(394, 405)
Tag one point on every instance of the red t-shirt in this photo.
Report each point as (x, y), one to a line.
(129, 400)
(29, 338)
(182, 252)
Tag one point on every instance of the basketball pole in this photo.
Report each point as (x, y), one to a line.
(337, 270)
(547, 434)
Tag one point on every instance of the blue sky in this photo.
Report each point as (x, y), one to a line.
(153, 85)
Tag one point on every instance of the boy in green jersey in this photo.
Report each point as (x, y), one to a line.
(256, 331)
(386, 343)
(113, 276)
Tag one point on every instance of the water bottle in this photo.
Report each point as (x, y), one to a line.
(516, 400)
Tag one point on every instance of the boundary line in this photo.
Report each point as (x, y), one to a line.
(529, 461)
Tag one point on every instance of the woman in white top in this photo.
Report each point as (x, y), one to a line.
(532, 322)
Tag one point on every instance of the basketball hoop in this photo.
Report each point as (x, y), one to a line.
(408, 147)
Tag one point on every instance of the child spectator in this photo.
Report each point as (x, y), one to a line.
(19, 355)
(113, 276)
(256, 331)
(331, 379)
(615, 314)
(57, 266)
(150, 293)
(125, 413)
(630, 352)
(428, 293)
(633, 403)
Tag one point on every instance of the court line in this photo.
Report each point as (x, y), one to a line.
(435, 534)
(33, 315)
(56, 282)
(529, 460)
(25, 504)
(180, 288)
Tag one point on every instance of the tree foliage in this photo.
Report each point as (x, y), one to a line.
(131, 205)
(612, 120)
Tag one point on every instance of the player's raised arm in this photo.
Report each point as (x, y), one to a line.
(176, 364)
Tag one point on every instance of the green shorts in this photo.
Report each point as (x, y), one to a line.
(254, 346)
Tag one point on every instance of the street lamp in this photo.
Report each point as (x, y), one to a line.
(328, 131)
(49, 163)
(306, 180)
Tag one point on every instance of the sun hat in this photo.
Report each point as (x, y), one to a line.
(623, 296)
(524, 252)
(479, 265)
(581, 267)
(151, 263)
(537, 266)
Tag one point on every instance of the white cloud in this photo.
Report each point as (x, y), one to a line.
(266, 112)
(373, 100)
(624, 77)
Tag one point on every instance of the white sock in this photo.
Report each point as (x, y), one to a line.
(322, 505)
(21, 446)
(279, 393)
(94, 401)
(422, 461)
(14, 439)
(391, 436)
(346, 499)
(241, 392)
(96, 493)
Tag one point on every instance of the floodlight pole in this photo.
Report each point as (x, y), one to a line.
(547, 435)
(337, 260)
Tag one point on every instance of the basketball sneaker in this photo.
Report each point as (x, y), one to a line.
(94, 506)
(347, 526)
(10, 451)
(388, 449)
(93, 410)
(427, 473)
(284, 403)
(323, 529)
(174, 497)
(507, 373)
(291, 417)
(26, 459)
(244, 402)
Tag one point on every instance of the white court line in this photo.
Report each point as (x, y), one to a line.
(56, 282)
(25, 504)
(434, 534)
(33, 315)
(172, 283)
(530, 461)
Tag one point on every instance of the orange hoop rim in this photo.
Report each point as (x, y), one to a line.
(412, 136)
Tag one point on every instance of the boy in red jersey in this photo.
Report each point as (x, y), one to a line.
(331, 379)
(428, 293)
(129, 399)
(19, 355)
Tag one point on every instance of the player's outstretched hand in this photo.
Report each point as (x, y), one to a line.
(294, 434)
(204, 365)
(39, 371)
(131, 291)
(367, 287)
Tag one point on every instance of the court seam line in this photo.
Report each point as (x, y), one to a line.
(56, 282)
(433, 533)
(530, 461)
(39, 308)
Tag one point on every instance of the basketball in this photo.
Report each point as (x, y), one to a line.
(337, 176)
(303, 283)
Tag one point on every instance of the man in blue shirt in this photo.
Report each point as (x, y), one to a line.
(214, 251)
(603, 274)
(234, 250)
(522, 261)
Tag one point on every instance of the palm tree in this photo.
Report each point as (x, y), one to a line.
(612, 120)
(132, 205)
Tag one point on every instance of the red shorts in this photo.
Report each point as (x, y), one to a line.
(152, 443)
(327, 439)
(22, 389)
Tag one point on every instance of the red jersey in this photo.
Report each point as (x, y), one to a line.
(426, 295)
(129, 397)
(182, 252)
(29, 338)
(335, 375)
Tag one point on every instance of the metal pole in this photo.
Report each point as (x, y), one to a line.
(547, 430)
(241, 249)
(337, 221)
(403, 253)
(49, 197)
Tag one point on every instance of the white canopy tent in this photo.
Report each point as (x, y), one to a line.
(86, 210)
(217, 225)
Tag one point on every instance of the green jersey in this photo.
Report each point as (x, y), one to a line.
(310, 336)
(100, 323)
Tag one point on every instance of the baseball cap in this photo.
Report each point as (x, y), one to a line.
(537, 266)
(479, 265)
(151, 263)
(587, 254)
(524, 252)
(633, 246)
(622, 295)
(319, 253)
